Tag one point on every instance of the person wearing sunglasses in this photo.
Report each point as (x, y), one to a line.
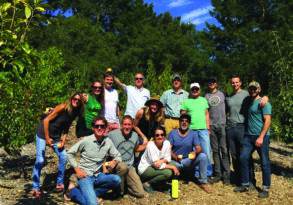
(137, 95)
(94, 104)
(94, 150)
(53, 131)
(197, 107)
(187, 152)
(154, 167)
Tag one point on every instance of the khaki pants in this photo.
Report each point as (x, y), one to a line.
(133, 182)
(171, 124)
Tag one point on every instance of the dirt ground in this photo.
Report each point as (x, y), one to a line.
(15, 183)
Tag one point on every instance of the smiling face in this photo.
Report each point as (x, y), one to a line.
(253, 91)
(97, 88)
(99, 129)
(212, 86)
(159, 137)
(138, 80)
(184, 124)
(236, 84)
(76, 101)
(127, 126)
(195, 92)
(154, 107)
(108, 82)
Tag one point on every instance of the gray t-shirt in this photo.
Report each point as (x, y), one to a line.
(216, 108)
(126, 146)
(234, 104)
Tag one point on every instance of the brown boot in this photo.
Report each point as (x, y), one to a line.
(206, 188)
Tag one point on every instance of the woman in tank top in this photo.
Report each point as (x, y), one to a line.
(52, 131)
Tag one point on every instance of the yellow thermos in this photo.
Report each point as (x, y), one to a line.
(175, 189)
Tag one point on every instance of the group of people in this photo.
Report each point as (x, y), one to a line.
(180, 134)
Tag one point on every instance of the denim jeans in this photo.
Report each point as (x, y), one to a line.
(263, 151)
(235, 137)
(201, 160)
(220, 151)
(92, 187)
(40, 159)
(204, 139)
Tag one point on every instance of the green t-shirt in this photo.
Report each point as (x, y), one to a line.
(255, 116)
(91, 111)
(196, 108)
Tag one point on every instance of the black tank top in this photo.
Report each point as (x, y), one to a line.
(58, 126)
(147, 126)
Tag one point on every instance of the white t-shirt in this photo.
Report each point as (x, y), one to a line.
(152, 154)
(111, 103)
(136, 99)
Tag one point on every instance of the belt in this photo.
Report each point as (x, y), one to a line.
(173, 118)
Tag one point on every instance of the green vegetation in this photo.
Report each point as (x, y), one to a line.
(43, 58)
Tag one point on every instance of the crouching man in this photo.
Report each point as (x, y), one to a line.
(94, 149)
(126, 142)
(187, 152)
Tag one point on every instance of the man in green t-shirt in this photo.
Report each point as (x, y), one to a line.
(257, 125)
(197, 107)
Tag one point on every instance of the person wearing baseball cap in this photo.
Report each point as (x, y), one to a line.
(172, 100)
(197, 107)
(256, 137)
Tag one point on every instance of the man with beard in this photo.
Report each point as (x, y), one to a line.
(257, 132)
(187, 152)
(126, 142)
(172, 100)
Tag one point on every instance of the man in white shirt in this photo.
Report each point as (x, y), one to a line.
(137, 95)
(111, 111)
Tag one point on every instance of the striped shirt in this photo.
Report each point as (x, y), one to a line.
(172, 102)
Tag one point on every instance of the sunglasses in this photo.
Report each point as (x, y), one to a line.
(195, 89)
(97, 87)
(139, 78)
(158, 135)
(99, 126)
(76, 99)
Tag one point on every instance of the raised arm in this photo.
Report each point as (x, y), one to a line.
(119, 83)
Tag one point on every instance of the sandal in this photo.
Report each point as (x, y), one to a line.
(60, 187)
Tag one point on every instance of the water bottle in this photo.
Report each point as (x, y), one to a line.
(175, 189)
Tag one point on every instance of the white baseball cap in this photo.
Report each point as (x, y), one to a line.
(194, 85)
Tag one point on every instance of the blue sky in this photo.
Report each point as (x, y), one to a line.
(190, 11)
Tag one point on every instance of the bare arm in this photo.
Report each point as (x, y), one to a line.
(119, 83)
(208, 119)
(265, 128)
(57, 110)
(141, 148)
(263, 101)
(183, 112)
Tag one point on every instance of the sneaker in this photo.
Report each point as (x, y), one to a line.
(147, 187)
(263, 194)
(214, 180)
(241, 189)
(206, 188)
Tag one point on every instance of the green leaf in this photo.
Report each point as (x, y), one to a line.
(5, 6)
(41, 9)
(26, 48)
(28, 11)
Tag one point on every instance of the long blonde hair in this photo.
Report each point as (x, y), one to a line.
(69, 107)
(159, 116)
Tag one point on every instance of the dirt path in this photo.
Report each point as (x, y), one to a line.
(15, 183)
